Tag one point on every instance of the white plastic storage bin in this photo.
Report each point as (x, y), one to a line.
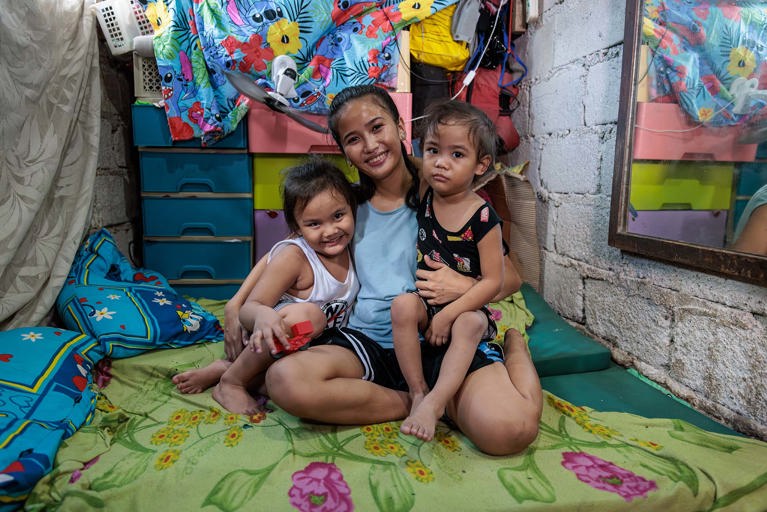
(121, 21)
(147, 85)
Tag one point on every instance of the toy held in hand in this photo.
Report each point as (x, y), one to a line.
(301, 336)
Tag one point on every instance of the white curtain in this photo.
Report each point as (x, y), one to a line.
(50, 102)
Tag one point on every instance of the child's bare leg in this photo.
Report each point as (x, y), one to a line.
(465, 334)
(200, 379)
(301, 312)
(247, 371)
(232, 389)
(408, 315)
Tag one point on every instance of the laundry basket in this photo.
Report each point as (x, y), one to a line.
(121, 21)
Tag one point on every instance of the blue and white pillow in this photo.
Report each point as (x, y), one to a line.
(129, 310)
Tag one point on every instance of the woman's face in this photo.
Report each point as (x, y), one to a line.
(370, 138)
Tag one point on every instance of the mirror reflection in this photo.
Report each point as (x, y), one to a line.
(698, 171)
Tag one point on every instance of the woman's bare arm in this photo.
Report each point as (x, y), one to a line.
(233, 334)
(443, 284)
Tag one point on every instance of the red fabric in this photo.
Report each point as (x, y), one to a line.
(484, 93)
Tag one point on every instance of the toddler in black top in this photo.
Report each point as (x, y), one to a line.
(457, 228)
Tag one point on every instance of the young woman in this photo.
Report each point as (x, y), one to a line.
(353, 378)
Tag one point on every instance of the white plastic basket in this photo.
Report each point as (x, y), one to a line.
(147, 85)
(121, 21)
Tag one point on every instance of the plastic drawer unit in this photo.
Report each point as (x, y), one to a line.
(197, 208)
(681, 186)
(270, 229)
(194, 171)
(751, 177)
(273, 132)
(704, 227)
(664, 132)
(150, 129)
(267, 177)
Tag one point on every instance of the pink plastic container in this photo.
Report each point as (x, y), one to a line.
(273, 132)
(664, 132)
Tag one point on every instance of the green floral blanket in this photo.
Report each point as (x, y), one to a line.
(152, 448)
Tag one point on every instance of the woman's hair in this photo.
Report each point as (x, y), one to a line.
(482, 132)
(378, 95)
(303, 182)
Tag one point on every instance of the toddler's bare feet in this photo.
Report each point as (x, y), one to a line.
(422, 421)
(235, 398)
(200, 379)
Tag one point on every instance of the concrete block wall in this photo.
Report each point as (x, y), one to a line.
(701, 336)
(116, 199)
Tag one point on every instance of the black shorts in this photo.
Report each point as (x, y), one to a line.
(380, 364)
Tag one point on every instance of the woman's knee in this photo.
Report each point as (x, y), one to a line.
(510, 435)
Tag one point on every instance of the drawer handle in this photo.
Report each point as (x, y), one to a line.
(197, 271)
(676, 206)
(197, 228)
(195, 185)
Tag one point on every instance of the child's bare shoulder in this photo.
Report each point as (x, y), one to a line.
(287, 254)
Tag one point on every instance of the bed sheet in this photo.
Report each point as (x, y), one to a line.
(333, 43)
(152, 448)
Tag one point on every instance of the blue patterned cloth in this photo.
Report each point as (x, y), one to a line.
(704, 51)
(333, 43)
(45, 396)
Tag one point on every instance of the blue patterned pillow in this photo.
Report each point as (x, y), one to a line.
(129, 310)
(45, 396)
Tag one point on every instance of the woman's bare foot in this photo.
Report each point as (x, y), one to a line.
(422, 421)
(235, 398)
(200, 379)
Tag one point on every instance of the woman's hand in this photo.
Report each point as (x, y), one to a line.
(233, 333)
(438, 332)
(442, 284)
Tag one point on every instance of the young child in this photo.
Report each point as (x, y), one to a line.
(459, 229)
(309, 277)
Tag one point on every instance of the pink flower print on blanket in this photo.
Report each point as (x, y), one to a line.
(606, 476)
(320, 487)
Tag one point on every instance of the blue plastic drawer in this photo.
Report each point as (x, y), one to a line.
(212, 215)
(737, 212)
(182, 258)
(206, 288)
(163, 171)
(751, 177)
(150, 128)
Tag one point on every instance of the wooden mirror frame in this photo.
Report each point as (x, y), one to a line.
(722, 262)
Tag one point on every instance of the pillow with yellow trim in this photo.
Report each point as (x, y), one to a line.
(129, 310)
(45, 396)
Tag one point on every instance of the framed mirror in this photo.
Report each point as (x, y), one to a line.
(691, 146)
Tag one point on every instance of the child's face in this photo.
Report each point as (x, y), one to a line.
(450, 159)
(326, 223)
(371, 138)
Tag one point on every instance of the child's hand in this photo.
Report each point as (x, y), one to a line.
(438, 332)
(268, 330)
